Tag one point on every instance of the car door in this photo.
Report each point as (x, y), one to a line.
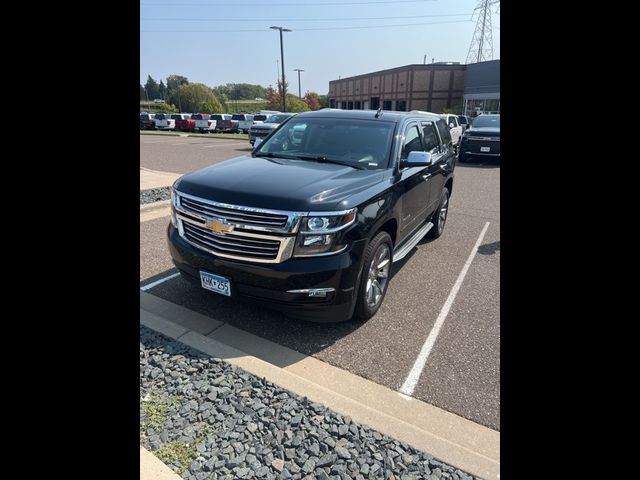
(443, 163)
(439, 154)
(414, 184)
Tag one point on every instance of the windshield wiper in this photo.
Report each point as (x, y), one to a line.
(324, 159)
(264, 154)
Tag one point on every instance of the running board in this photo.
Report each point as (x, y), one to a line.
(413, 241)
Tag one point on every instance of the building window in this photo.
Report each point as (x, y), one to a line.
(375, 103)
(356, 106)
(386, 105)
(350, 106)
(332, 103)
(401, 105)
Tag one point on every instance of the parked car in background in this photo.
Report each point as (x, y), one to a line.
(164, 122)
(482, 139)
(455, 127)
(147, 121)
(314, 219)
(223, 122)
(269, 125)
(244, 120)
(259, 118)
(464, 122)
(184, 122)
(203, 122)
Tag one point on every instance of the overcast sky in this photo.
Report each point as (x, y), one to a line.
(204, 54)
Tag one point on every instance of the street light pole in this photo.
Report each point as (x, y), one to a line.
(284, 85)
(299, 89)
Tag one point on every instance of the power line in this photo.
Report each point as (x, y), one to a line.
(308, 4)
(304, 29)
(297, 19)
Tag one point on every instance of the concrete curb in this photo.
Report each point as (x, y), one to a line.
(145, 207)
(450, 438)
(193, 136)
(153, 469)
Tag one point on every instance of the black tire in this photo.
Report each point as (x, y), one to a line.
(437, 218)
(364, 310)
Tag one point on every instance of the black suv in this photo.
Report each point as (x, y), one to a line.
(311, 222)
(481, 139)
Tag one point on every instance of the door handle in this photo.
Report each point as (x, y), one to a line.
(426, 176)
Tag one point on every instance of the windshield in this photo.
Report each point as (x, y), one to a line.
(145, 117)
(259, 118)
(198, 116)
(176, 117)
(364, 144)
(277, 118)
(237, 117)
(160, 116)
(487, 121)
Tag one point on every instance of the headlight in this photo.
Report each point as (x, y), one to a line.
(174, 200)
(319, 233)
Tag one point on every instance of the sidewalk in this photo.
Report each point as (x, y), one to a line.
(156, 179)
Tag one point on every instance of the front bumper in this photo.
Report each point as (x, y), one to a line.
(268, 284)
(473, 148)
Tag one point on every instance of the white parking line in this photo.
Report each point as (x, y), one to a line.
(158, 282)
(410, 383)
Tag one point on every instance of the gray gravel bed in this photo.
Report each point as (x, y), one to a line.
(155, 195)
(207, 419)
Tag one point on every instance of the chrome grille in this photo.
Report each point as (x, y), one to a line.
(229, 244)
(233, 214)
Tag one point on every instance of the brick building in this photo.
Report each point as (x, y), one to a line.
(431, 87)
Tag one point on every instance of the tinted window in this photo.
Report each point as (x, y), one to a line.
(462, 119)
(160, 116)
(145, 117)
(176, 117)
(386, 105)
(453, 120)
(260, 118)
(363, 143)
(401, 105)
(238, 117)
(411, 142)
(216, 117)
(445, 135)
(487, 121)
(430, 136)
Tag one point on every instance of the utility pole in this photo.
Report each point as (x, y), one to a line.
(299, 89)
(481, 48)
(278, 69)
(284, 84)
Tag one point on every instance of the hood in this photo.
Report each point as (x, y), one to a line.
(483, 131)
(280, 184)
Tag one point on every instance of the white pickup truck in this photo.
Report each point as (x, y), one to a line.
(454, 126)
(164, 122)
(204, 123)
(244, 122)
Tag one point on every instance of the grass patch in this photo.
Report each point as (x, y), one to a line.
(181, 454)
(156, 408)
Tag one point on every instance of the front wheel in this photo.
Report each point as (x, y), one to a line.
(439, 217)
(375, 276)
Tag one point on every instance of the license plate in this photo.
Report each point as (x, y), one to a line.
(215, 283)
(485, 149)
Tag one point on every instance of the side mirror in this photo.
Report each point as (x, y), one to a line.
(416, 159)
(257, 142)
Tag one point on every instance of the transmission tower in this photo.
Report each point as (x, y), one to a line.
(481, 48)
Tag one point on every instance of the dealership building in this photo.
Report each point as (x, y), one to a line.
(431, 87)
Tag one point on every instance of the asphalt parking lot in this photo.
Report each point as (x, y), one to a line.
(462, 372)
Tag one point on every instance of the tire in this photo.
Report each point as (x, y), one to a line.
(370, 297)
(439, 217)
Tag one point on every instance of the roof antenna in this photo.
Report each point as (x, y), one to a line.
(379, 113)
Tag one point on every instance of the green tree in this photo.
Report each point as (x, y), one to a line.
(324, 101)
(142, 93)
(152, 88)
(174, 81)
(163, 90)
(294, 104)
(195, 97)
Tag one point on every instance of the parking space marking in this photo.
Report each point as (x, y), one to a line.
(410, 383)
(158, 282)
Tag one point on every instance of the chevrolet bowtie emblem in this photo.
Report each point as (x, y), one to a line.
(219, 226)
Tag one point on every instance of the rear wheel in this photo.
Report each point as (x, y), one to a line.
(439, 217)
(375, 276)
